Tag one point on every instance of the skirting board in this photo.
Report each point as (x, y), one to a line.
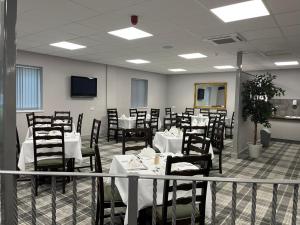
(285, 140)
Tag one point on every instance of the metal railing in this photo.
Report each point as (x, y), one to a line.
(132, 206)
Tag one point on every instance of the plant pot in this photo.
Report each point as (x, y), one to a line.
(254, 150)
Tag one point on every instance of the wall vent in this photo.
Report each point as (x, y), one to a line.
(226, 39)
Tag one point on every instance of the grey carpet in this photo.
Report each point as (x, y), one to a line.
(279, 161)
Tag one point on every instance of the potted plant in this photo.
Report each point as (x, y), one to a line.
(256, 96)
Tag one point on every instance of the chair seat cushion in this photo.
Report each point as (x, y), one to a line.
(108, 196)
(87, 151)
(50, 162)
(183, 212)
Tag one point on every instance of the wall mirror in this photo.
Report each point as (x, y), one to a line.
(210, 95)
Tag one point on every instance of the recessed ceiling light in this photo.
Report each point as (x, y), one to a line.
(177, 70)
(225, 67)
(287, 63)
(68, 45)
(192, 56)
(241, 11)
(130, 33)
(137, 61)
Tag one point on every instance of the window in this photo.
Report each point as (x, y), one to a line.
(139, 93)
(28, 87)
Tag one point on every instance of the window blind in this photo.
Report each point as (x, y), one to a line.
(28, 87)
(139, 93)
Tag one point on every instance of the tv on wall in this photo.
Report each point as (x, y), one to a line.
(83, 86)
(200, 94)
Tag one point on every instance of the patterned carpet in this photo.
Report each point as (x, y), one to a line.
(280, 160)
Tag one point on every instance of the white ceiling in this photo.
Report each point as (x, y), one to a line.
(183, 24)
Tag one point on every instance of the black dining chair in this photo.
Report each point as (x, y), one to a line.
(197, 145)
(168, 111)
(170, 121)
(230, 128)
(184, 207)
(79, 123)
(29, 117)
(42, 121)
(205, 111)
(62, 113)
(141, 119)
(49, 142)
(132, 112)
(63, 121)
(113, 130)
(217, 141)
(88, 151)
(199, 130)
(18, 147)
(104, 196)
(142, 137)
(190, 111)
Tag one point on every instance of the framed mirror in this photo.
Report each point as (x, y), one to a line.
(210, 95)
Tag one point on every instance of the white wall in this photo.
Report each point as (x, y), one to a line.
(119, 88)
(181, 88)
(116, 89)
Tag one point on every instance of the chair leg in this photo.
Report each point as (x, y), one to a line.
(91, 162)
(107, 134)
(64, 185)
(36, 185)
(101, 216)
(220, 163)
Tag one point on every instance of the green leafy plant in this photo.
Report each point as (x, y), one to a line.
(256, 97)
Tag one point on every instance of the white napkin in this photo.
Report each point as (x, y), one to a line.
(123, 116)
(147, 152)
(148, 116)
(135, 164)
(58, 121)
(194, 122)
(183, 166)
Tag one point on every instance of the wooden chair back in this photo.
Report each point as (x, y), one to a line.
(187, 132)
(42, 121)
(79, 123)
(202, 166)
(132, 112)
(95, 132)
(29, 117)
(63, 121)
(48, 142)
(62, 113)
(141, 119)
(142, 135)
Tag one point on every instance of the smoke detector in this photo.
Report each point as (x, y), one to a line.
(226, 39)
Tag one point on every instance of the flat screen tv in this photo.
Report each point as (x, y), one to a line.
(83, 86)
(200, 94)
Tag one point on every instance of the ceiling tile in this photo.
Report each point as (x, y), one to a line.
(287, 19)
(283, 6)
(262, 34)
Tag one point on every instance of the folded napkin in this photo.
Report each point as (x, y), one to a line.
(183, 166)
(136, 164)
(148, 116)
(147, 152)
(59, 121)
(123, 116)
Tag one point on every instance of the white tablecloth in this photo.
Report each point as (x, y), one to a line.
(72, 149)
(129, 122)
(173, 144)
(119, 165)
(29, 130)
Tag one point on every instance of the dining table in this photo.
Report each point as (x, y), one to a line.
(121, 165)
(167, 142)
(130, 122)
(72, 149)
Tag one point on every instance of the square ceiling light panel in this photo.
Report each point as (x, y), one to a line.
(130, 33)
(67, 45)
(241, 11)
(287, 63)
(196, 55)
(137, 61)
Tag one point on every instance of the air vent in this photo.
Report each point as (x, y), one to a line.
(226, 39)
(275, 53)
